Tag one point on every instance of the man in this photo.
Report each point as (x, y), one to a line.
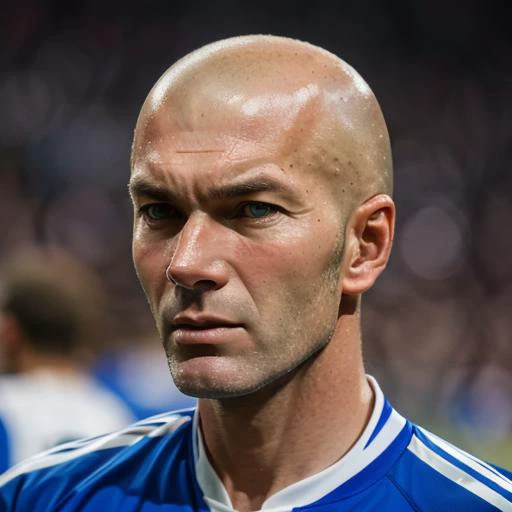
(47, 396)
(261, 182)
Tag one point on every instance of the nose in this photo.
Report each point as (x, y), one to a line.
(196, 262)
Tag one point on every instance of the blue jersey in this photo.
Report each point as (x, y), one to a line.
(159, 464)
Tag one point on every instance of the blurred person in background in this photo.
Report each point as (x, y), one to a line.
(51, 317)
(261, 183)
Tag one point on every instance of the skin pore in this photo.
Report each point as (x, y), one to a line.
(261, 174)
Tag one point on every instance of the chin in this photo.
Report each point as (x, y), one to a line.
(209, 377)
(213, 391)
(222, 386)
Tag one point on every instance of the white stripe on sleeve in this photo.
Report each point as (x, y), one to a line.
(458, 476)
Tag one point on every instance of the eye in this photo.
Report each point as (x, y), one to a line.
(256, 210)
(158, 211)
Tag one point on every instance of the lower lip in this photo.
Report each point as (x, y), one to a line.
(211, 336)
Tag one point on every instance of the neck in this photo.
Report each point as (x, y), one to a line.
(261, 443)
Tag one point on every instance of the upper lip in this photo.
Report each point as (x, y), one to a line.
(202, 322)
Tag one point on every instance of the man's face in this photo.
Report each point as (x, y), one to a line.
(237, 243)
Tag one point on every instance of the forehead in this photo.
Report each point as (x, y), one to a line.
(210, 131)
(254, 91)
(211, 117)
(201, 163)
(238, 153)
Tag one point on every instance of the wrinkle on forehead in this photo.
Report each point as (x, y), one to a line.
(178, 148)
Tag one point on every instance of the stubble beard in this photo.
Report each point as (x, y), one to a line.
(273, 379)
(329, 282)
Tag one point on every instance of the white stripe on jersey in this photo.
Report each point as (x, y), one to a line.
(148, 426)
(457, 475)
(481, 467)
(165, 416)
(124, 437)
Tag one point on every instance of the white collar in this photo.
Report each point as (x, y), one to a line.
(374, 440)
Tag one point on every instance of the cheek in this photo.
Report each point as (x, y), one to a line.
(287, 266)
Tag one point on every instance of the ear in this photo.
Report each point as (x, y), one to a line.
(368, 243)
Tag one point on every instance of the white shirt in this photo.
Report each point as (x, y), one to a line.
(42, 409)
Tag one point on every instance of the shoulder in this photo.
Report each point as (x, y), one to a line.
(19, 385)
(41, 398)
(56, 473)
(433, 471)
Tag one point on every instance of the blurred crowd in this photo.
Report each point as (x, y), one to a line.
(438, 324)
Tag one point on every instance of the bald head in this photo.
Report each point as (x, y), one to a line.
(321, 112)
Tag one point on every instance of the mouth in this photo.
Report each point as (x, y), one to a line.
(209, 331)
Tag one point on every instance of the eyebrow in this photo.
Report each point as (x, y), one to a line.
(246, 188)
(138, 187)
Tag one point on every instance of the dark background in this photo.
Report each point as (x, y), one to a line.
(438, 324)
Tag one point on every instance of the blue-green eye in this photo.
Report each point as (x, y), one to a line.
(258, 210)
(158, 211)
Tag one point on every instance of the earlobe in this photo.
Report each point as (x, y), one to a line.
(369, 240)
